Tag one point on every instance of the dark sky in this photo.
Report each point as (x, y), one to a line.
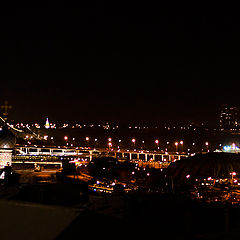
(102, 60)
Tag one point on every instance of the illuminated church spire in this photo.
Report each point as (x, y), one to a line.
(47, 125)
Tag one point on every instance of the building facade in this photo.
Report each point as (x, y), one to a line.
(7, 143)
(229, 118)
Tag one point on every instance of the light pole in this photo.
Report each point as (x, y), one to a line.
(134, 141)
(206, 144)
(157, 142)
(109, 146)
(66, 139)
(176, 144)
(109, 143)
(181, 143)
(87, 141)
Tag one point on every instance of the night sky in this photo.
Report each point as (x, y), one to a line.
(119, 61)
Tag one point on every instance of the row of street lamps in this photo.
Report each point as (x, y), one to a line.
(177, 144)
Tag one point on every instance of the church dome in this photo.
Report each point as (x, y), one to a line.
(7, 138)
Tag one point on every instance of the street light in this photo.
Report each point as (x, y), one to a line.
(66, 139)
(157, 142)
(87, 141)
(206, 144)
(181, 143)
(233, 174)
(176, 144)
(109, 145)
(133, 141)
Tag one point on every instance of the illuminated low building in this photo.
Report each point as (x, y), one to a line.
(7, 143)
(231, 148)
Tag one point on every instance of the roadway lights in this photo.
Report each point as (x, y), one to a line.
(176, 144)
(206, 144)
(181, 143)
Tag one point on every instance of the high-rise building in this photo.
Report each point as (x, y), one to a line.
(229, 118)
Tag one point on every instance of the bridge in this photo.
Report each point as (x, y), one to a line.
(36, 152)
(53, 151)
(36, 163)
(149, 156)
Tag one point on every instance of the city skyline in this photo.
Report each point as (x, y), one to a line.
(8, 111)
(119, 116)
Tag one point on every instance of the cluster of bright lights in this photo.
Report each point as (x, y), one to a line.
(231, 148)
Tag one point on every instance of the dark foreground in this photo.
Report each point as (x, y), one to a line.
(113, 215)
(66, 209)
(155, 216)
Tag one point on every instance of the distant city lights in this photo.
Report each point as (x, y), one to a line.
(231, 148)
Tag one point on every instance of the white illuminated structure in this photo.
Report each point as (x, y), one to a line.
(7, 143)
(47, 125)
(5, 157)
(231, 148)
